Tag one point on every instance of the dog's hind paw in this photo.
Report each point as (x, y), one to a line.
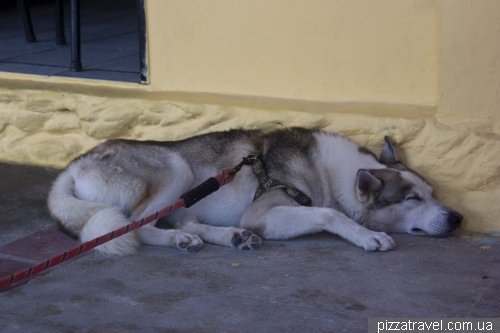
(246, 240)
(377, 241)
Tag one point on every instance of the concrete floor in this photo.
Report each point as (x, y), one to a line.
(317, 283)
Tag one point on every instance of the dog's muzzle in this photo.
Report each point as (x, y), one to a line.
(450, 221)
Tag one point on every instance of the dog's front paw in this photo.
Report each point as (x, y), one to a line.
(377, 241)
(187, 242)
(246, 240)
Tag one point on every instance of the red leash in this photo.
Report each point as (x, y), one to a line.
(187, 200)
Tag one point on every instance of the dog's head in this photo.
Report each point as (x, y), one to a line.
(398, 200)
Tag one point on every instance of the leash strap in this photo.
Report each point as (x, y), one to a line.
(266, 184)
(209, 186)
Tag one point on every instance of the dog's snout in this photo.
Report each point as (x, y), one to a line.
(454, 219)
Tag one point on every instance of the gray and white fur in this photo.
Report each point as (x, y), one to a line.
(354, 194)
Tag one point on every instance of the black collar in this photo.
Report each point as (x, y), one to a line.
(268, 184)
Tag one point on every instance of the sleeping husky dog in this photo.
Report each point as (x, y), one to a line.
(349, 191)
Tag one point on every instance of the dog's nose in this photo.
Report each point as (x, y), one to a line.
(454, 219)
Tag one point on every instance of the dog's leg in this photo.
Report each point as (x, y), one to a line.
(273, 220)
(151, 235)
(225, 236)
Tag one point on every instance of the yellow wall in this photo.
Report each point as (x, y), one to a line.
(469, 62)
(424, 72)
(321, 50)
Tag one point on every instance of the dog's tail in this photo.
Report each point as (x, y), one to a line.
(88, 220)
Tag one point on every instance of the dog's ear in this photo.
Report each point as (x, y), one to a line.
(388, 156)
(366, 183)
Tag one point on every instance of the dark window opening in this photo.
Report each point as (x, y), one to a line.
(112, 39)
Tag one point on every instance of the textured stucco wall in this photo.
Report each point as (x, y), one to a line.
(50, 128)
